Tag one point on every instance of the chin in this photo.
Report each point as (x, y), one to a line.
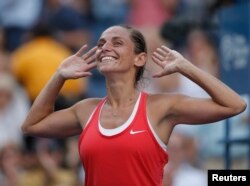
(106, 69)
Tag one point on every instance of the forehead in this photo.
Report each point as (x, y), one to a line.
(116, 32)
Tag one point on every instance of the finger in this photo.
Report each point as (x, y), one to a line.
(157, 61)
(161, 51)
(82, 74)
(90, 59)
(80, 52)
(166, 49)
(91, 66)
(89, 53)
(158, 56)
(88, 73)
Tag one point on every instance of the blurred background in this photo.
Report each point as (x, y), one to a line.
(36, 35)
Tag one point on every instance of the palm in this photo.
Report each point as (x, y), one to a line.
(79, 64)
(167, 59)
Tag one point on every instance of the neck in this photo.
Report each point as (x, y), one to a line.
(121, 93)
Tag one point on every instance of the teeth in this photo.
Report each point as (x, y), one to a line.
(107, 59)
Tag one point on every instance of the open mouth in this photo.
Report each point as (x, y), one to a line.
(107, 59)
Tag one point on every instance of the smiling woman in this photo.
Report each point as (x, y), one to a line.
(130, 36)
(123, 137)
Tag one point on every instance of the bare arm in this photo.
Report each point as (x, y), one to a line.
(224, 101)
(41, 119)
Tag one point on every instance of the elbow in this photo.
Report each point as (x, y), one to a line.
(25, 129)
(242, 105)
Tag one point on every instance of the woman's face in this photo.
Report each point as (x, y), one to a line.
(115, 51)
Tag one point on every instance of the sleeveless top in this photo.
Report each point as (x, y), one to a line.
(129, 155)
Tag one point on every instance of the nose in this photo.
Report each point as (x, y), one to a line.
(107, 46)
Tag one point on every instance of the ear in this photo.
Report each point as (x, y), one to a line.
(140, 59)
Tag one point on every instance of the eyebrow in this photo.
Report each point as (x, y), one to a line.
(113, 38)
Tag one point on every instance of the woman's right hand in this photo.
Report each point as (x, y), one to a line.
(79, 64)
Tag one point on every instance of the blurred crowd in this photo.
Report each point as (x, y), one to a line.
(36, 35)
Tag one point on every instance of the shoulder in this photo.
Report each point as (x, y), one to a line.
(160, 108)
(83, 109)
(86, 105)
(163, 103)
(160, 98)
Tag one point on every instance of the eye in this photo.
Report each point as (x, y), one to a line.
(100, 44)
(117, 43)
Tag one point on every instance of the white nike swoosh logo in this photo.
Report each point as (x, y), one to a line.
(136, 132)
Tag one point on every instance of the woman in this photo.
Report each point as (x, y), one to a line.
(124, 136)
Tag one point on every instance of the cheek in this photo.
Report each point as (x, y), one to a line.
(98, 53)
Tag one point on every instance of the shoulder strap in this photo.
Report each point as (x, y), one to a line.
(142, 105)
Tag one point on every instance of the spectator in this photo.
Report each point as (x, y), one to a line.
(17, 17)
(10, 165)
(182, 167)
(68, 25)
(152, 13)
(43, 165)
(201, 51)
(14, 107)
(35, 62)
(4, 54)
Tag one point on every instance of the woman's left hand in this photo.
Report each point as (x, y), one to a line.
(169, 60)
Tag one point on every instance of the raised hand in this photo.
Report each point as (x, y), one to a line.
(79, 64)
(168, 60)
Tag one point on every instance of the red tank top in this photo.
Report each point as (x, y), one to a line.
(132, 157)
